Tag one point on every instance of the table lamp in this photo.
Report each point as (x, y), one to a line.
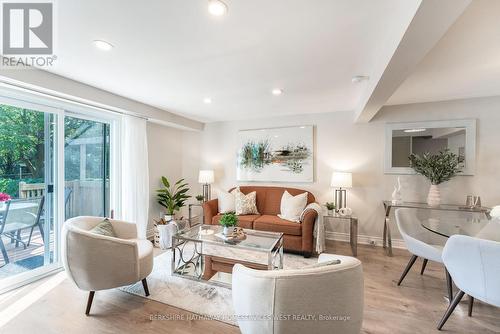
(340, 181)
(206, 177)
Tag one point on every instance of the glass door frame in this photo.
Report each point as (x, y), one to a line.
(23, 278)
(27, 99)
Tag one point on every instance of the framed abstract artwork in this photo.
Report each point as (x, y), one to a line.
(276, 154)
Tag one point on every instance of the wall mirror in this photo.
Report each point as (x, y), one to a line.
(403, 139)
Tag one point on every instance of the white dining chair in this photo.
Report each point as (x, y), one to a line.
(473, 264)
(421, 243)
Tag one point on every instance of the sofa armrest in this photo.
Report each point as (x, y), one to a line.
(210, 209)
(307, 223)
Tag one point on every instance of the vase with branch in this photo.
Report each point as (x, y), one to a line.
(438, 168)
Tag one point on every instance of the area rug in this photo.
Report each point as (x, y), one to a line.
(204, 299)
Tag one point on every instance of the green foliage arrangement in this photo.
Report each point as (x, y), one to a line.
(330, 205)
(228, 220)
(174, 197)
(199, 198)
(438, 168)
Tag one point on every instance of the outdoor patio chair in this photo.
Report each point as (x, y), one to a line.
(19, 215)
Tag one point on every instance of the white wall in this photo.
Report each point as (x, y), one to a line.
(341, 144)
(164, 155)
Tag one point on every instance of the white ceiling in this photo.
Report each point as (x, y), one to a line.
(172, 54)
(464, 64)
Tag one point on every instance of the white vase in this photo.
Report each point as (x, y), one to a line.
(168, 218)
(434, 197)
(166, 231)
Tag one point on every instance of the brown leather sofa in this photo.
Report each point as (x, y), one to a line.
(298, 237)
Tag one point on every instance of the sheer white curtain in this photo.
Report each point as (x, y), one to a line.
(135, 175)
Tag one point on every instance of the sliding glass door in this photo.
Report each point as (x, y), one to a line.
(55, 164)
(86, 167)
(28, 184)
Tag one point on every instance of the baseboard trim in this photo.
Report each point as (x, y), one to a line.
(364, 239)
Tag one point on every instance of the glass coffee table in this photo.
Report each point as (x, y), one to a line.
(198, 253)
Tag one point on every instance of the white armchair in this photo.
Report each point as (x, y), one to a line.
(474, 267)
(96, 262)
(280, 301)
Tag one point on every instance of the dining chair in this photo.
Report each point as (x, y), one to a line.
(473, 265)
(421, 243)
(19, 215)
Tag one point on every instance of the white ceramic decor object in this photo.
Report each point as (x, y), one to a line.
(166, 231)
(434, 197)
(396, 194)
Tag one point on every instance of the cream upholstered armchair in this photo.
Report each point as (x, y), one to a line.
(285, 301)
(96, 262)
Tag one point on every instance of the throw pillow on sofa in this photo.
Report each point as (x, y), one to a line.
(245, 204)
(292, 206)
(226, 201)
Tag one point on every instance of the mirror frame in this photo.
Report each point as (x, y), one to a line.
(470, 142)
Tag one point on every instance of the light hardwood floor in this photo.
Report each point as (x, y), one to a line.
(414, 307)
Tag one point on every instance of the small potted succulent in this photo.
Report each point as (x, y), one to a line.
(330, 206)
(228, 221)
(4, 198)
(199, 198)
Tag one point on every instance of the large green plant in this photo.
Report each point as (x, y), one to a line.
(173, 197)
(438, 168)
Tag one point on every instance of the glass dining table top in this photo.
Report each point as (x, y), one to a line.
(479, 228)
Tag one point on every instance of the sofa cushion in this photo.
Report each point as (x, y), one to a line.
(275, 224)
(245, 221)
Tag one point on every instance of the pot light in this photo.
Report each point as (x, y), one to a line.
(103, 45)
(207, 100)
(414, 130)
(217, 7)
(277, 91)
(359, 78)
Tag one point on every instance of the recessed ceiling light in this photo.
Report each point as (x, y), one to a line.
(103, 45)
(277, 91)
(414, 130)
(359, 78)
(207, 100)
(217, 7)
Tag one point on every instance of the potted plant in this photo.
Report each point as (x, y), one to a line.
(228, 220)
(172, 197)
(4, 198)
(438, 168)
(330, 206)
(199, 198)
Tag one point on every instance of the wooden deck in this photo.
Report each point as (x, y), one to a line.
(16, 254)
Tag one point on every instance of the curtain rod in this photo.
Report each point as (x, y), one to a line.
(65, 99)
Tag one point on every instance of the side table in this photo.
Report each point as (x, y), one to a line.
(353, 230)
(190, 216)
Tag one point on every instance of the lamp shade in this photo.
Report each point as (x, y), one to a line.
(206, 176)
(341, 180)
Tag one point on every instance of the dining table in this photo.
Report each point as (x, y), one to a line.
(479, 228)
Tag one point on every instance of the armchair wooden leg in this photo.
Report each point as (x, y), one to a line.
(451, 308)
(424, 264)
(145, 285)
(89, 302)
(408, 267)
(471, 304)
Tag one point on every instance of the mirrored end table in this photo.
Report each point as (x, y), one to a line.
(353, 230)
